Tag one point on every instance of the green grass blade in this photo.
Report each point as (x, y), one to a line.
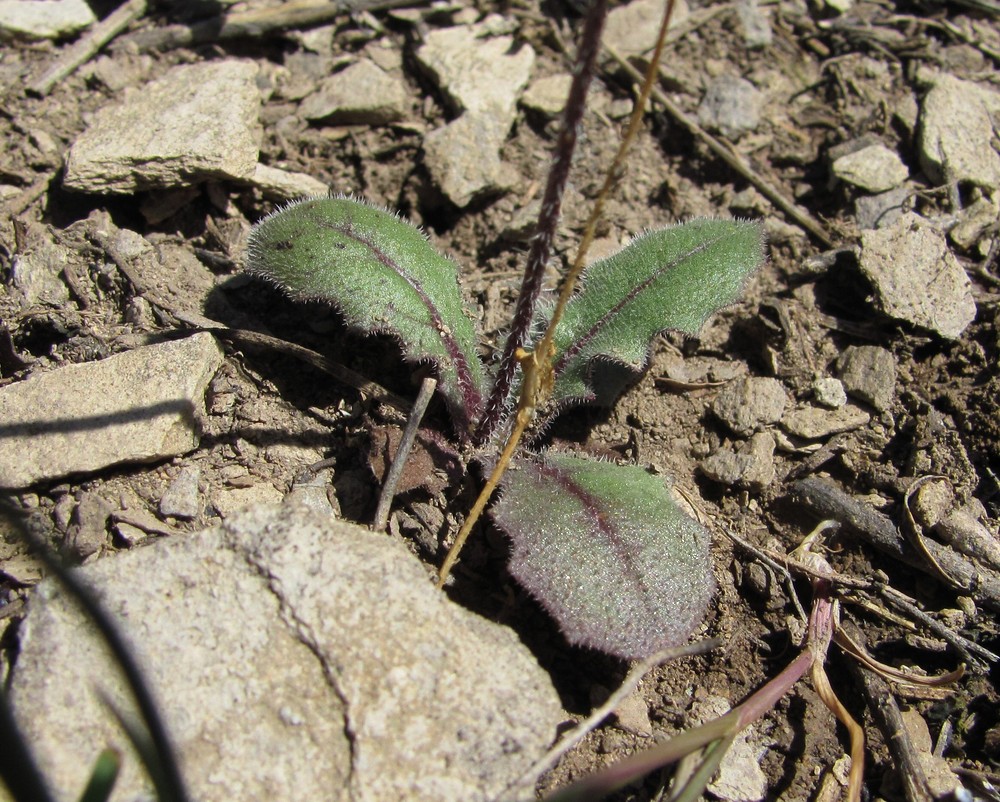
(103, 777)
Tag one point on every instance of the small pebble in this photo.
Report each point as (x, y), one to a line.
(812, 423)
(181, 497)
(749, 404)
(731, 106)
(874, 168)
(869, 373)
(829, 392)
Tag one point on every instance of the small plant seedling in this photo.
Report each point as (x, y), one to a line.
(613, 558)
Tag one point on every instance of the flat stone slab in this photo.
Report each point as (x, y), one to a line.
(750, 403)
(548, 95)
(632, 28)
(731, 106)
(869, 373)
(464, 158)
(294, 656)
(812, 423)
(362, 93)
(138, 406)
(874, 168)
(916, 276)
(198, 122)
(44, 19)
(478, 74)
(482, 77)
(956, 129)
(287, 185)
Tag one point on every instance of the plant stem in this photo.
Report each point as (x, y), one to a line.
(541, 244)
(395, 472)
(536, 365)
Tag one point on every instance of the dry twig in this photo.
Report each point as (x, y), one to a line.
(733, 159)
(88, 46)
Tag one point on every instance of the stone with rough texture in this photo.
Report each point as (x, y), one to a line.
(547, 95)
(286, 185)
(482, 78)
(812, 423)
(976, 222)
(294, 656)
(631, 29)
(181, 499)
(874, 168)
(362, 93)
(881, 210)
(45, 19)
(956, 131)
(750, 403)
(36, 271)
(138, 406)
(464, 158)
(731, 106)
(198, 122)
(740, 777)
(752, 465)
(756, 24)
(829, 392)
(478, 75)
(917, 278)
(869, 373)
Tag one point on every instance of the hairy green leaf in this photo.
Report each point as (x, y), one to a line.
(606, 551)
(673, 278)
(384, 276)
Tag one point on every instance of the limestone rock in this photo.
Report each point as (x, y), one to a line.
(917, 278)
(869, 373)
(464, 158)
(197, 122)
(181, 498)
(362, 93)
(36, 271)
(956, 129)
(751, 466)
(976, 221)
(232, 500)
(731, 106)
(882, 209)
(137, 406)
(756, 24)
(293, 655)
(812, 423)
(750, 403)
(478, 75)
(874, 168)
(829, 392)
(482, 78)
(740, 777)
(547, 95)
(285, 185)
(631, 29)
(45, 19)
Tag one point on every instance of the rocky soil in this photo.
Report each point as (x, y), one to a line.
(150, 392)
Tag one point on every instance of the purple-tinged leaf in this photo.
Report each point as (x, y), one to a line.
(383, 275)
(672, 278)
(606, 551)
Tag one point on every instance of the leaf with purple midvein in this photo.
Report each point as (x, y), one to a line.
(383, 275)
(672, 278)
(606, 551)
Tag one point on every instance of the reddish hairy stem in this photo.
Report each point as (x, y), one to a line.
(548, 218)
